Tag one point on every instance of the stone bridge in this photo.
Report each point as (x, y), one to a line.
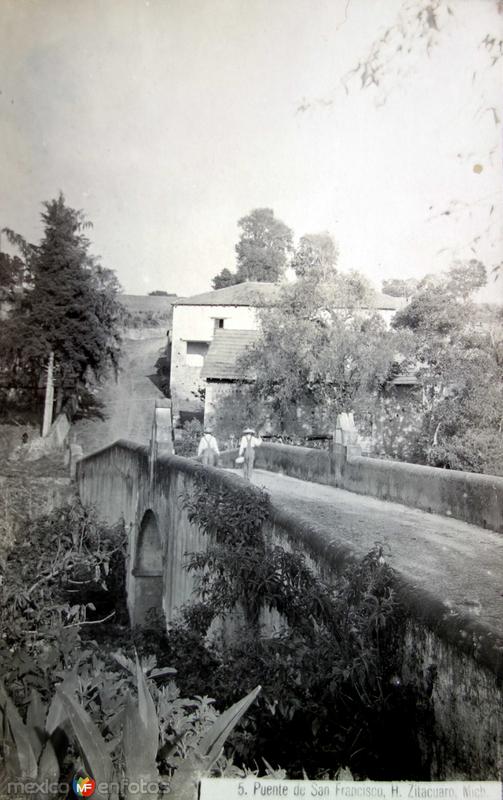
(449, 563)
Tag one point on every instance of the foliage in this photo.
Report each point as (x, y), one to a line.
(163, 371)
(144, 319)
(186, 737)
(11, 276)
(416, 30)
(105, 701)
(315, 257)
(322, 350)
(228, 568)
(190, 436)
(159, 293)
(315, 712)
(225, 278)
(68, 306)
(65, 570)
(262, 250)
(397, 287)
(263, 246)
(399, 52)
(235, 408)
(457, 348)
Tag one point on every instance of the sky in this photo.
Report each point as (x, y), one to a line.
(167, 121)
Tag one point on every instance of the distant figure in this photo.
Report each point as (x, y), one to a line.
(208, 448)
(24, 438)
(247, 451)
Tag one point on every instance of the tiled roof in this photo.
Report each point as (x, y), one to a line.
(221, 359)
(251, 293)
(256, 293)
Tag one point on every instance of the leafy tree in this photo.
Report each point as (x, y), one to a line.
(458, 350)
(263, 248)
(316, 256)
(224, 279)
(69, 306)
(396, 287)
(158, 293)
(322, 351)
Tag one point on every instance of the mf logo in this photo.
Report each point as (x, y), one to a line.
(83, 785)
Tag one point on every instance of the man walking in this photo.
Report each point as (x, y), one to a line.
(247, 450)
(208, 448)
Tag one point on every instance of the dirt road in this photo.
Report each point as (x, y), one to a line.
(460, 563)
(129, 401)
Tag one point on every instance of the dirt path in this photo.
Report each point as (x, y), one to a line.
(128, 402)
(460, 563)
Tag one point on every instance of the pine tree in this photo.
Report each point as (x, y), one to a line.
(69, 307)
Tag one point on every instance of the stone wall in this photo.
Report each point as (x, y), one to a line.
(467, 496)
(454, 663)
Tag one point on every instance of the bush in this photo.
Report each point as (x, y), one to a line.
(71, 699)
(330, 676)
(64, 571)
(189, 442)
(475, 451)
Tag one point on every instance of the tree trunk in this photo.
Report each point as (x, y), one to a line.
(49, 397)
(59, 400)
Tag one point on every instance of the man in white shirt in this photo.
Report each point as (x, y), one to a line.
(247, 449)
(208, 448)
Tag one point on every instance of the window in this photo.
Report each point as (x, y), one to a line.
(196, 352)
(219, 323)
(197, 348)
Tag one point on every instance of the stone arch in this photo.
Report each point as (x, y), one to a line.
(147, 571)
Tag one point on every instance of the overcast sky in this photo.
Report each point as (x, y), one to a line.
(168, 120)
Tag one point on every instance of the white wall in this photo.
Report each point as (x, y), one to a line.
(197, 324)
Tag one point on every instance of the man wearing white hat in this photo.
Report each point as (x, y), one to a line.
(208, 448)
(247, 451)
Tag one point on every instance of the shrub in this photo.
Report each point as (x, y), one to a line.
(73, 701)
(65, 571)
(329, 676)
(188, 443)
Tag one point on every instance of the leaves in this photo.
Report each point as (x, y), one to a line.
(211, 744)
(141, 725)
(457, 348)
(261, 251)
(48, 768)
(184, 783)
(323, 349)
(91, 744)
(35, 722)
(25, 755)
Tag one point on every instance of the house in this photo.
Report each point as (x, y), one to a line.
(195, 321)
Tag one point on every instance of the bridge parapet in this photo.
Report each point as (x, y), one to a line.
(468, 496)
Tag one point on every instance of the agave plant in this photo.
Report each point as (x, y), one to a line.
(32, 749)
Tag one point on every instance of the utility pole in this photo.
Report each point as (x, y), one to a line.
(49, 396)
